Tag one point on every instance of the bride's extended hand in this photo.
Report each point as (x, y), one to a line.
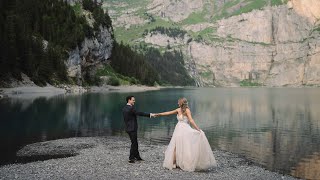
(154, 115)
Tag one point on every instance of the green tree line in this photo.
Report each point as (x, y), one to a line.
(130, 63)
(37, 35)
(24, 25)
(169, 65)
(171, 32)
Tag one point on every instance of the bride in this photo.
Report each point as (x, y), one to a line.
(189, 148)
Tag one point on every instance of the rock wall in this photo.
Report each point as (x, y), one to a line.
(273, 46)
(175, 10)
(276, 46)
(91, 55)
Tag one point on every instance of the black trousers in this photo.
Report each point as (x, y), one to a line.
(134, 152)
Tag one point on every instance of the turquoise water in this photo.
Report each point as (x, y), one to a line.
(278, 128)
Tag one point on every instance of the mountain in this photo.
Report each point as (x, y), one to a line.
(72, 42)
(52, 41)
(96, 48)
(228, 42)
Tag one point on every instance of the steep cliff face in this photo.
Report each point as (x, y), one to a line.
(277, 46)
(93, 53)
(271, 45)
(174, 10)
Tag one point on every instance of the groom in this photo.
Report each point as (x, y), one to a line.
(130, 120)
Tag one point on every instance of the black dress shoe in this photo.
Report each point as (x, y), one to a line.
(131, 161)
(139, 159)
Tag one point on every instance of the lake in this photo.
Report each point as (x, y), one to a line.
(278, 128)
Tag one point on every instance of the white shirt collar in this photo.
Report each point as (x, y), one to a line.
(129, 104)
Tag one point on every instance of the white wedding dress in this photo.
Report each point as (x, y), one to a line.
(190, 148)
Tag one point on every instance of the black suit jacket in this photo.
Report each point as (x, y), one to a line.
(130, 117)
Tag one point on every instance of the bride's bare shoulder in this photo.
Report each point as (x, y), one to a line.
(188, 110)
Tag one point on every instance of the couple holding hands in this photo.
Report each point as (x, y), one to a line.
(188, 149)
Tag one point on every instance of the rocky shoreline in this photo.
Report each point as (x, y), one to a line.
(32, 91)
(27, 89)
(106, 158)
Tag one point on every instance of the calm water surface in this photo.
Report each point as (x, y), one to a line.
(278, 128)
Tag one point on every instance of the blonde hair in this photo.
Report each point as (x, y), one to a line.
(183, 104)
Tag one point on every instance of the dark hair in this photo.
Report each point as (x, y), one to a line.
(128, 98)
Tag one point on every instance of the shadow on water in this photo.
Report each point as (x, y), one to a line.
(278, 128)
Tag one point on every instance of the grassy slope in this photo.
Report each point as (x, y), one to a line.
(209, 14)
(128, 36)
